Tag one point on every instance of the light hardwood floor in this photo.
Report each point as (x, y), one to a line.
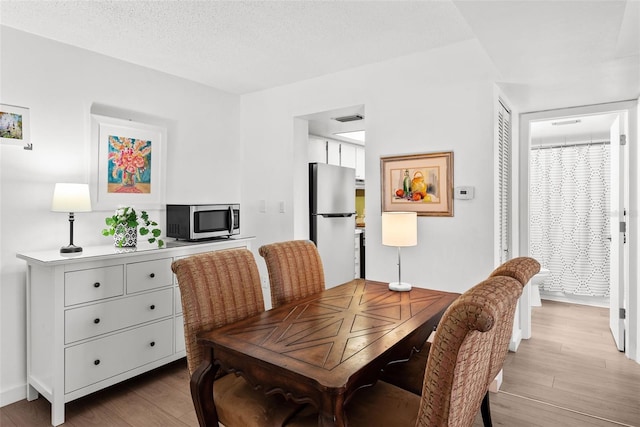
(568, 374)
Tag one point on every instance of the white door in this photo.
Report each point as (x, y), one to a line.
(616, 275)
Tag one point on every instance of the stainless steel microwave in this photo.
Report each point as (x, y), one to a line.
(197, 222)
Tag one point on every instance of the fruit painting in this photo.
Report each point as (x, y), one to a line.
(421, 183)
(416, 185)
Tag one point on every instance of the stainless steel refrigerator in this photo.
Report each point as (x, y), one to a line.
(332, 222)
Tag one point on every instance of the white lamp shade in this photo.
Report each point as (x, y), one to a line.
(71, 198)
(399, 228)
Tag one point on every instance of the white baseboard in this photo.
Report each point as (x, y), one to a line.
(7, 397)
(575, 299)
(516, 337)
(497, 382)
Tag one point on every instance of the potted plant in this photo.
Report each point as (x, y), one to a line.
(123, 226)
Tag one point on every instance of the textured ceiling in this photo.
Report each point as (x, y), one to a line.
(243, 46)
(560, 53)
(549, 53)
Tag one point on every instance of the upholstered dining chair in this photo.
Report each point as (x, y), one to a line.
(295, 270)
(522, 269)
(457, 369)
(409, 375)
(209, 285)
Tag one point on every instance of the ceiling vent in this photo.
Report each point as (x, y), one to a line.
(352, 118)
(566, 122)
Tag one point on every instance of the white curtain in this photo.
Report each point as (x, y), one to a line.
(569, 217)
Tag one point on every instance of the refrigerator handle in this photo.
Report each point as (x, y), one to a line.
(337, 215)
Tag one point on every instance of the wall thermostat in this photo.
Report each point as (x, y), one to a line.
(463, 193)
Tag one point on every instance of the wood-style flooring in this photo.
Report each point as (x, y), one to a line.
(568, 374)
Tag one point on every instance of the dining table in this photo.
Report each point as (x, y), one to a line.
(323, 348)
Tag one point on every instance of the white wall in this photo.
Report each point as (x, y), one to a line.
(61, 84)
(436, 101)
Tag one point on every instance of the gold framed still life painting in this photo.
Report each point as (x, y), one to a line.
(421, 183)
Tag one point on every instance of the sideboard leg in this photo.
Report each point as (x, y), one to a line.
(57, 411)
(32, 393)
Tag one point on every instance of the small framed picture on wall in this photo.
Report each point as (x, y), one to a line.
(14, 126)
(421, 183)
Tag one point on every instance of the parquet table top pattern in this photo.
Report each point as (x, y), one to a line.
(323, 348)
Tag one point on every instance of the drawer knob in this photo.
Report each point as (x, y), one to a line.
(152, 275)
(96, 285)
(96, 362)
(96, 320)
(152, 306)
(152, 343)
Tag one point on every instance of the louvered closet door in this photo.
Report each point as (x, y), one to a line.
(504, 182)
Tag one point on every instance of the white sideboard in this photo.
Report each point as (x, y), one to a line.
(102, 316)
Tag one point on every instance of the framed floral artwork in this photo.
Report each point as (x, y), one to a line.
(421, 183)
(127, 161)
(14, 126)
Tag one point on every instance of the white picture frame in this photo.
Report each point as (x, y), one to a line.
(109, 180)
(15, 126)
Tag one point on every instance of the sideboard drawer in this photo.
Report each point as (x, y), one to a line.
(145, 275)
(93, 284)
(98, 319)
(91, 362)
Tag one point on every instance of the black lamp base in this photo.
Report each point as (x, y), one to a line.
(70, 249)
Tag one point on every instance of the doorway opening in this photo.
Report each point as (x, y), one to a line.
(337, 137)
(575, 190)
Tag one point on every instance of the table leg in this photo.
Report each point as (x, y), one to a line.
(331, 414)
(202, 392)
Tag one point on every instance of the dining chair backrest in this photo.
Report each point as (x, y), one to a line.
(216, 288)
(295, 270)
(522, 269)
(459, 362)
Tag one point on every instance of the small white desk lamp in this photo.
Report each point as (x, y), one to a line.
(71, 198)
(399, 229)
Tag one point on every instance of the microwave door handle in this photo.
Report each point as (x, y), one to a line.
(230, 219)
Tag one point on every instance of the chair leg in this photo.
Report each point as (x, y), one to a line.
(486, 411)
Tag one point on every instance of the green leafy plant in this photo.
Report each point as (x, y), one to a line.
(128, 217)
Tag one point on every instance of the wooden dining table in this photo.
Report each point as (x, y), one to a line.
(321, 349)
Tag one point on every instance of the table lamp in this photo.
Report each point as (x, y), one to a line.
(399, 229)
(71, 198)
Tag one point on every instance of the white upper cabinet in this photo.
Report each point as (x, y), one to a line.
(359, 162)
(323, 150)
(317, 150)
(333, 153)
(348, 155)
